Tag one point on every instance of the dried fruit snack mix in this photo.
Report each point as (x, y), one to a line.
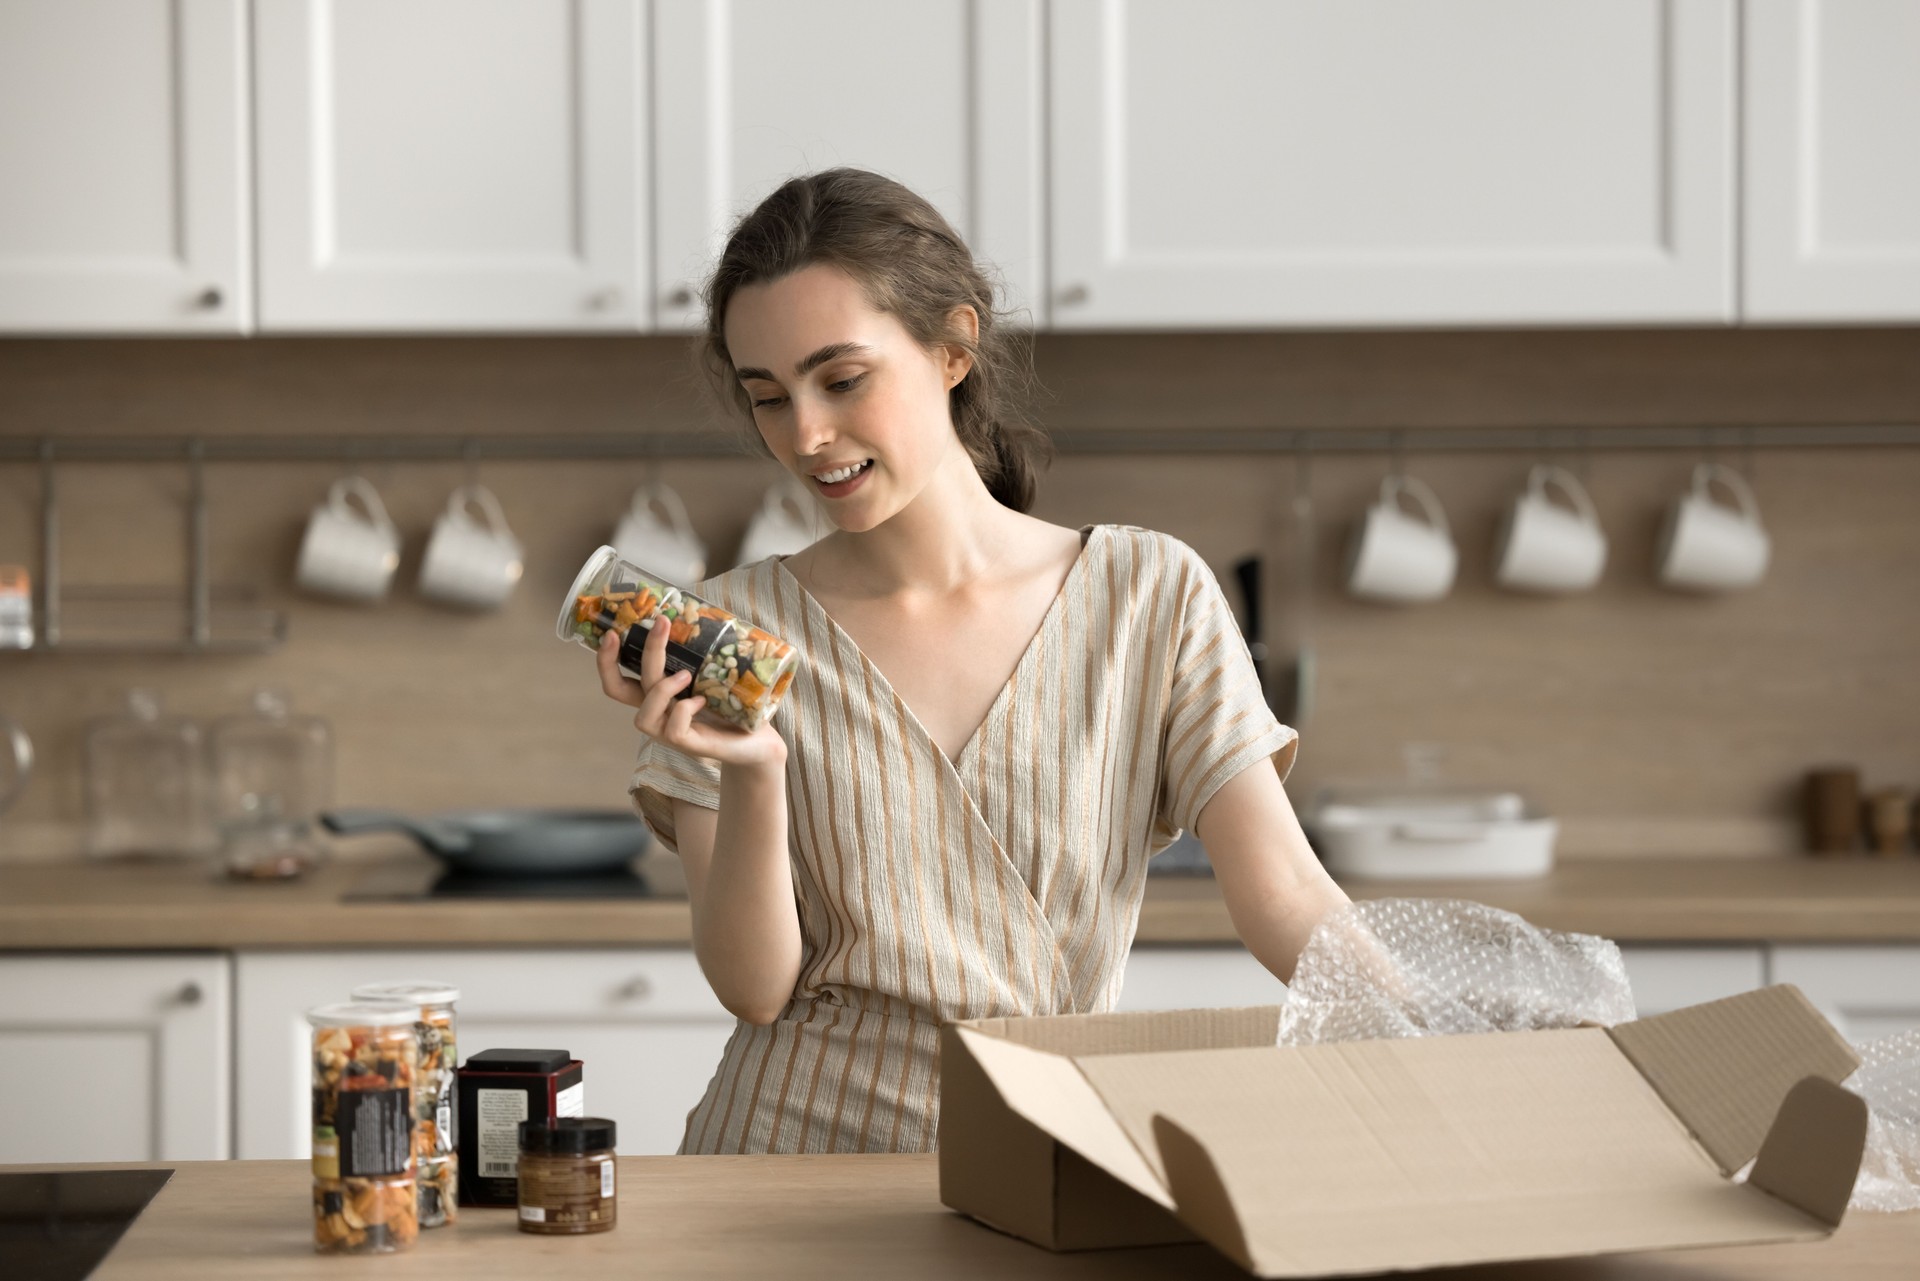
(435, 1145)
(741, 671)
(364, 1055)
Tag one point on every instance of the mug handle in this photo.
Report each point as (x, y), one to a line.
(362, 488)
(1545, 474)
(1393, 486)
(668, 500)
(20, 750)
(1704, 474)
(482, 497)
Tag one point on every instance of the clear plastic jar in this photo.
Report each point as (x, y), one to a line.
(363, 1167)
(146, 784)
(435, 1147)
(740, 670)
(566, 1175)
(272, 775)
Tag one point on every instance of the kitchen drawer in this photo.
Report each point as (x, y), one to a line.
(1670, 978)
(643, 1021)
(1197, 978)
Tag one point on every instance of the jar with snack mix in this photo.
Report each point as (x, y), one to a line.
(435, 1142)
(740, 670)
(364, 1056)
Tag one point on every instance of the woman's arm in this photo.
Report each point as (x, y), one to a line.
(746, 929)
(1275, 888)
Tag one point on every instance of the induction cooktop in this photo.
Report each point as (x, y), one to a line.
(58, 1225)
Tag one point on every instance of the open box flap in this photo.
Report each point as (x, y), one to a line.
(1724, 1067)
(1050, 1091)
(1383, 1155)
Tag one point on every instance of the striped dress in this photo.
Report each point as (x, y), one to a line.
(1005, 882)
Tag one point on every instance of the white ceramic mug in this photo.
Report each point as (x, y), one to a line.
(1707, 546)
(788, 521)
(1543, 546)
(346, 551)
(667, 547)
(471, 562)
(1396, 556)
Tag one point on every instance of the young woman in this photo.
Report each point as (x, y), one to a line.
(998, 721)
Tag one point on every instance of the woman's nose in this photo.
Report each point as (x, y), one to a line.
(812, 425)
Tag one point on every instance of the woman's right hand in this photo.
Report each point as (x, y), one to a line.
(676, 721)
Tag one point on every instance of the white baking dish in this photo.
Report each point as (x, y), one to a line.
(1430, 835)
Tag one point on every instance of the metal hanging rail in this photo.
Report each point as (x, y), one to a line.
(717, 444)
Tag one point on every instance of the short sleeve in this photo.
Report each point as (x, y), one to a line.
(1218, 722)
(661, 773)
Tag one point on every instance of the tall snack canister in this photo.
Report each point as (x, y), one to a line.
(740, 670)
(435, 1137)
(363, 1069)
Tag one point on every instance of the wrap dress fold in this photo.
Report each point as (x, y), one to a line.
(1004, 882)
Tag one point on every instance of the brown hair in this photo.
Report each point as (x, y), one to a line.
(913, 266)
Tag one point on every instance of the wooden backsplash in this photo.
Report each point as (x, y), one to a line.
(1647, 721)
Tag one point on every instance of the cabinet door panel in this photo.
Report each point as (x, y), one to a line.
(123, 138)
(1832, 169)
(1868, 992)
(1671, 978)
(441, 166)
(943, 95)
(643, 1022)
(1197, 978)
(122, 1058)
(1250, 163)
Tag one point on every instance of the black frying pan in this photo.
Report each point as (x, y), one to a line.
(512, 842)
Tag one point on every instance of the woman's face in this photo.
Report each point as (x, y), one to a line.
(835, 383)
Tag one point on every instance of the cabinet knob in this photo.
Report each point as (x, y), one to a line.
(209, 299)
(604, 299)
(637, 988)
(680, 296)
(1073, 295)
(189, 994)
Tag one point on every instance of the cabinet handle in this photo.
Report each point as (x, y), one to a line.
(680, 296)
(189, 994)
(209, 299)
(637, 988)
(1073, 295)
(604, 299)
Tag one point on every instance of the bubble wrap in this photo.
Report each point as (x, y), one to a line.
(1889, 1080)
(1437, 967)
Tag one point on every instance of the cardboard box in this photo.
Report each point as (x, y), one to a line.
(1087, 1131)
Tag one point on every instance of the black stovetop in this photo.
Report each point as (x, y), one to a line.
(57, 1226)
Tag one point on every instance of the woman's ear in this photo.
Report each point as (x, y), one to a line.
(958, 362)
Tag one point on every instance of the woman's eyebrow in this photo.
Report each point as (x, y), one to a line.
(832, 351)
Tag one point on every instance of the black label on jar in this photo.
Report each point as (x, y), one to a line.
(688, 657)
(376, 1132)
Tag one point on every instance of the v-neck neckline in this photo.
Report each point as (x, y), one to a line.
(1034, 646)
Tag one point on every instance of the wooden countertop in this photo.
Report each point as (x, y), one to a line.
(90, 906)
(802, 1217)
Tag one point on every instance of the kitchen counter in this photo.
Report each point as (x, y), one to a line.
(802, 1217)
(91, 906)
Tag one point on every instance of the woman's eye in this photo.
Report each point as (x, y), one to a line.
(847, 384)
(768, 403)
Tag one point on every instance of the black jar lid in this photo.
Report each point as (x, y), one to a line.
(567, 1136)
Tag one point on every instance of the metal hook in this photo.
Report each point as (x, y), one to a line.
(1396, 452)
(1746, 453)
(470, 456)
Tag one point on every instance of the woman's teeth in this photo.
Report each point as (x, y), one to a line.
(845, 473)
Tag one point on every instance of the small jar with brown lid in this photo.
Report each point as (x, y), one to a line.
(566, 1175)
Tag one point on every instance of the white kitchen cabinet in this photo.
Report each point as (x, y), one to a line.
(643, 1022)
(1832, 174)
(115, 1058)
(1248, 163)
(444, 166)
(1867, 992)
(1197, 978)
(944, 95)
(124, 144)
(1671, 978)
